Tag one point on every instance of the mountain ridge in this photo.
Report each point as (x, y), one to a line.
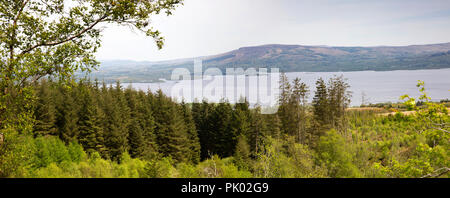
(291, 58)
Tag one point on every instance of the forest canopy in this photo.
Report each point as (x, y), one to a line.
(97, 130)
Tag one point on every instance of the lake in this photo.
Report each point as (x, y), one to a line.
(375, 86)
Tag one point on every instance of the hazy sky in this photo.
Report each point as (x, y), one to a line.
(208, 27)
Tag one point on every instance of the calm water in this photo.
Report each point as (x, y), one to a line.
(386, 86)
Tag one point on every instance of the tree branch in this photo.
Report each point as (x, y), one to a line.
(20, 12)
(14, 24)
(66, 39)
(437, 173)
(443, 130)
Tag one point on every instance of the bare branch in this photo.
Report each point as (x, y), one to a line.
(437, 173)
(442, 125)
(440, 129)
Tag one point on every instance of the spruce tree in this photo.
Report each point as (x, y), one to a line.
(285, 109)
(241, 124)
(68, 115)
(242, 153)
(223, 137)
(116, 123)
(89, 122)
(273, 125)
(320, 111)
(45, 111)
(194, 143)
(201, 113)
(339, 99)
(136, 141)
(171, 133)
(298, 107)
(147, 122)
(259, 130)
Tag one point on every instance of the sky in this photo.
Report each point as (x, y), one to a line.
(209, 27)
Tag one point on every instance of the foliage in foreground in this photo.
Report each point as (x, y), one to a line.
(235, 140)
(381, 147)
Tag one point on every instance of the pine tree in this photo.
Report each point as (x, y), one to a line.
(320, 103)
(286, 112)
(116, 123)
(201, 113)
(273, 125)
(241, 123)
(194, 143)
(136, 140)
(224, 139)
(171, 133)
(89, 122)
(96, 95)
(320, 111)
(259, 130)
(298, 103)
(45, 111)
(147, 122)
(285, 88)
(68, 115)
(242, 153)
(339, 100)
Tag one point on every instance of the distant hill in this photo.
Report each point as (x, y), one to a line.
(291, 58)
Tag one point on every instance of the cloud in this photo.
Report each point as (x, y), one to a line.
(214, 26)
